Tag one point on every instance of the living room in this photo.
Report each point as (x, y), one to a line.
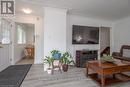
(54, 22)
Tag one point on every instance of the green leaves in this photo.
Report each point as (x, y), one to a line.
(67, 58)
(53, 52)
(107, 58)
(48, 60)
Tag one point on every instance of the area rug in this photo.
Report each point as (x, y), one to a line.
(14, 75)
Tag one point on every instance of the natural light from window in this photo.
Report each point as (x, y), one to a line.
(5, 31)
(21, 35)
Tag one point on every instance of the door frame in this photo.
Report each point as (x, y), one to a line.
(3, 47)
(13, 40)
(111, 40)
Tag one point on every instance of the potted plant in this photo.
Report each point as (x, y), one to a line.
(66, 60)
(56, 54)
(49, 61)
(107, 58)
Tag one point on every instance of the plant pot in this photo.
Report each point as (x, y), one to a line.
(65, 67)
(49, 71)
(57, 56)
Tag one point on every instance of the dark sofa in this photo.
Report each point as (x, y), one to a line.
(124, 53)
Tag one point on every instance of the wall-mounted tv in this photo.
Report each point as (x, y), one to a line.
(85, 35)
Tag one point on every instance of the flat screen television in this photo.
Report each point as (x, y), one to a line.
(85, 35)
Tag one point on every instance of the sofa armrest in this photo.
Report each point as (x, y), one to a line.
(116, 54)
(122, 58)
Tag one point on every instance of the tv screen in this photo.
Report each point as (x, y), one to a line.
(85, 35)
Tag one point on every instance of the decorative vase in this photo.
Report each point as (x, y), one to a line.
(49, 71)
(65, 67)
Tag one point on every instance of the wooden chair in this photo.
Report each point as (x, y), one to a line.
(29, 52)
(26, 53)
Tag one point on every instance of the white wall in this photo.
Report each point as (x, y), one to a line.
(104, 38)
(30, 34)
(54, 30)
(38, 21)
(79, 20)
(121, 33)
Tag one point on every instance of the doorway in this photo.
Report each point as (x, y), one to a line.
(24, 48)
(5, 43)
(104, 40)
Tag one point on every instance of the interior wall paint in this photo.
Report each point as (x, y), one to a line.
(104, 38)
(38, 21)
(30, 35)
(84, 21)
(54, 30)
(121, 33)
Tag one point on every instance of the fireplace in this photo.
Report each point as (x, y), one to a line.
(82, 56)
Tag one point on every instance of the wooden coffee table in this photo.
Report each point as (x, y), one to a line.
(106, 73)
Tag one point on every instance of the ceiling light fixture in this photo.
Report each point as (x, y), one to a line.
(27, 11)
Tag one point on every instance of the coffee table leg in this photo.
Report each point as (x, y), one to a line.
(87, 69)
(114, 76)
(102, 80)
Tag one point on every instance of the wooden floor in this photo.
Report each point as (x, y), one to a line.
(25, 61)
(75, 77)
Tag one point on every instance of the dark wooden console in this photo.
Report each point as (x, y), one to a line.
(85, 55)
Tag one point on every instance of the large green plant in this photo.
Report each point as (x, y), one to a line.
(48, 60)
(66, 58)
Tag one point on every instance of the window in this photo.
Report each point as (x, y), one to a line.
(21, 34)
(5, 34)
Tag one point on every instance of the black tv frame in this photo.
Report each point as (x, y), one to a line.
(84, 43)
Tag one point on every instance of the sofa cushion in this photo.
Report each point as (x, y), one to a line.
(126, 53)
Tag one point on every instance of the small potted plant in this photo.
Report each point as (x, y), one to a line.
(66, 60)
(107, 58)
(49, 61)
